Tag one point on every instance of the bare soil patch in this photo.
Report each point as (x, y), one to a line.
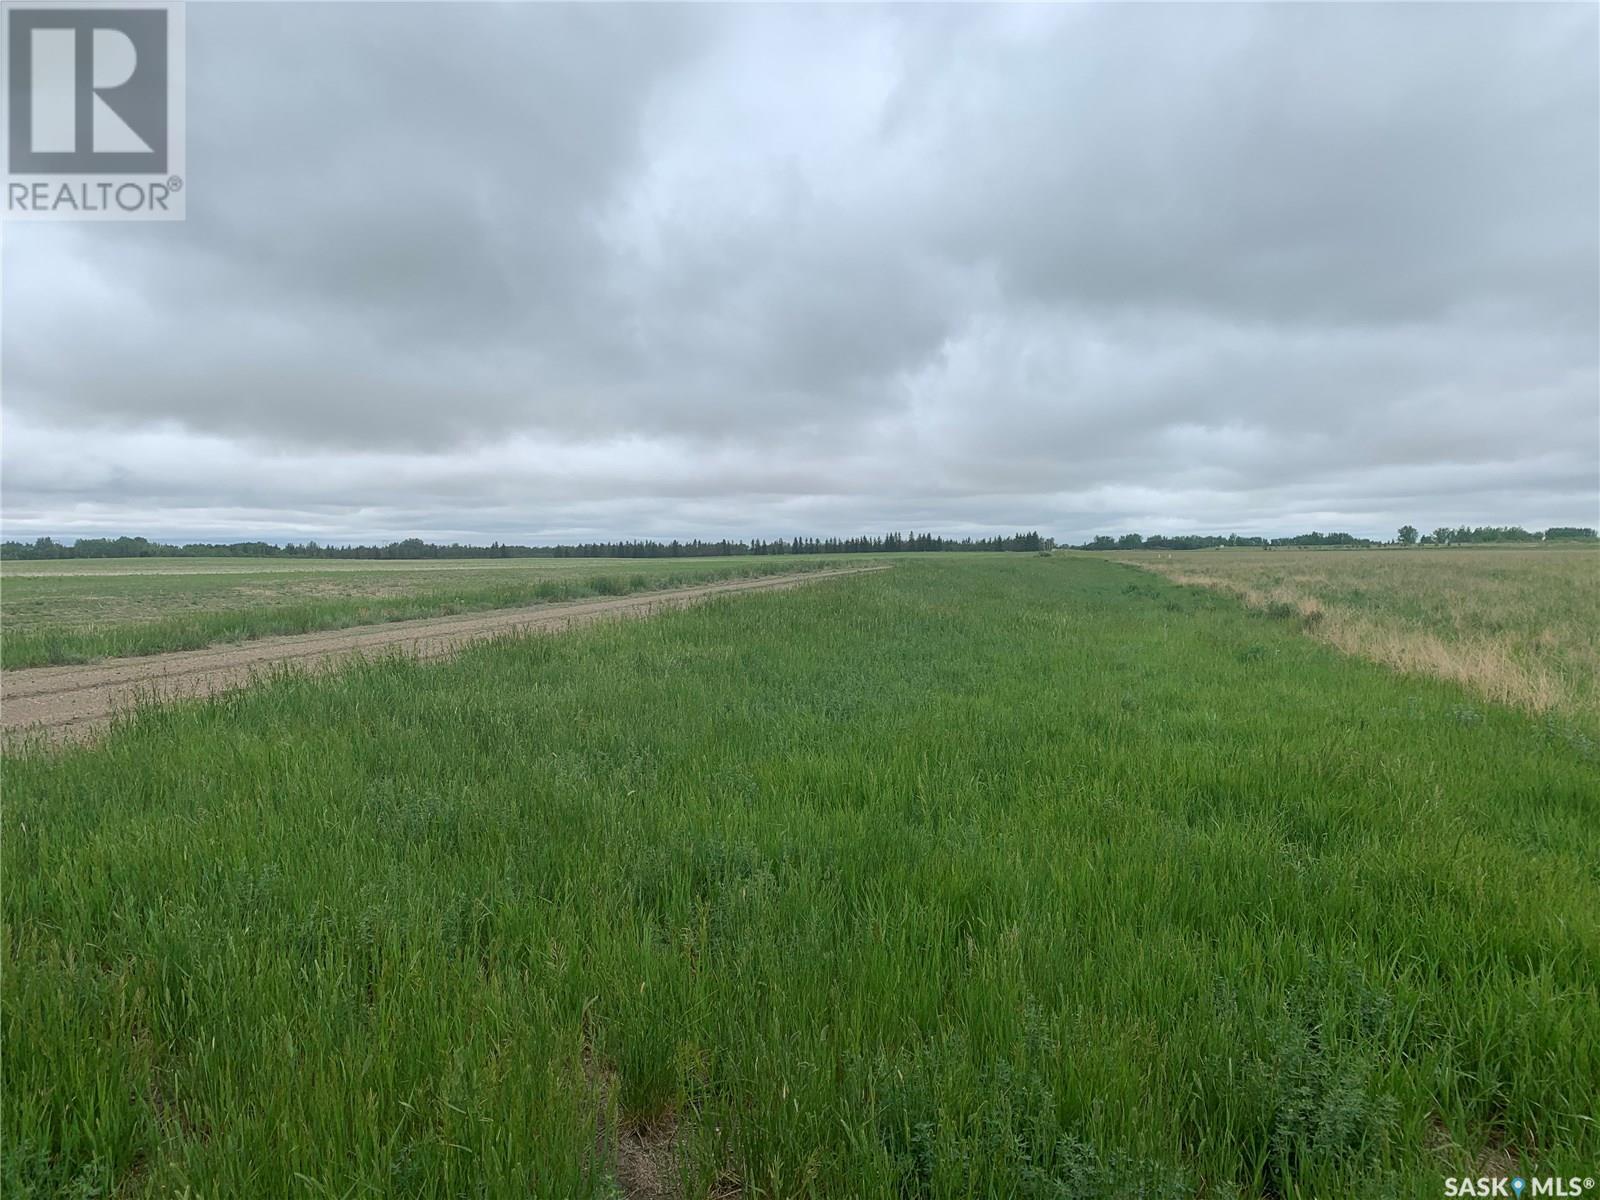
(75, 701)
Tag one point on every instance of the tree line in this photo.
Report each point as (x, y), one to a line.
(1408, 536)
(1463, 535)
(1209, 541)
(416, 548)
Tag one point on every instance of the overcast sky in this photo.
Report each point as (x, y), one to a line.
(551, 273)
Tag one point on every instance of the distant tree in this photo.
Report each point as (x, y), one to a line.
(416, 548)
(1408, 535)
(1322, 539)
(1130, 541)
(1441, 535)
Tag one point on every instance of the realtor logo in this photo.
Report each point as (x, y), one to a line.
(94, 112)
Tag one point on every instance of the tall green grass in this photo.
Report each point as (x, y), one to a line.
(45, 635)
(1036, 877)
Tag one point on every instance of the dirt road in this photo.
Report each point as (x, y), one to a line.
(72, 702)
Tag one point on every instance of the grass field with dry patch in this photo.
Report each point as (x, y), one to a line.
(1517, 626)
(79, 611)
(1028, 877)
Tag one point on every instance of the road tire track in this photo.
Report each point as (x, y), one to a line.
(73, 702)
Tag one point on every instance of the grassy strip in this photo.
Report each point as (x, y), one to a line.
(1516, 626)
(53, 646)
(1028, 878)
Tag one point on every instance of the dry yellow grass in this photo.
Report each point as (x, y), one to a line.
(1517, 626)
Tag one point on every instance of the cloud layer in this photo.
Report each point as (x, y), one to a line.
(548, 272)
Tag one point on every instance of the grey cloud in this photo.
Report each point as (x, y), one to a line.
(524, 271)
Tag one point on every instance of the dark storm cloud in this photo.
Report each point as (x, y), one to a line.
(541, 271)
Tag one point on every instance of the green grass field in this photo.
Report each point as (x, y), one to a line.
(75, 611)
(1023, 877)
(1519, 625)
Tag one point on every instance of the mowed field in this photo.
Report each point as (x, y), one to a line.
(83, 610)
(1516, 625)
(984, 876)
